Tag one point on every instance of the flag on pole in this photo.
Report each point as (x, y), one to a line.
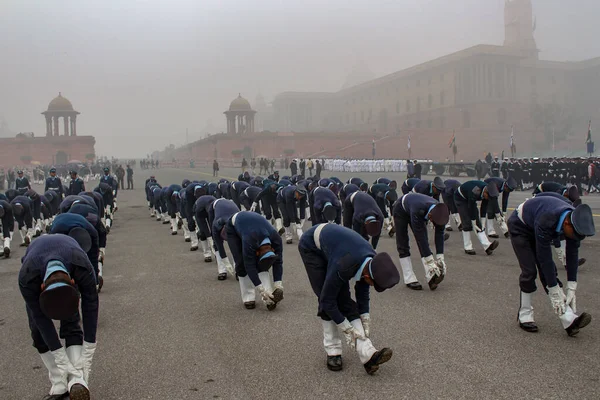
(589, 133)
(452, 141)
(408, 145)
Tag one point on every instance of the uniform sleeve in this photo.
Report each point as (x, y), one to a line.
(86, 283)
(46, 186)
(278, 265)
(8, 224)
(419, 229)
(572, 255)
(543, 241)
(505, 201)
(302, 208)
(249, 253)
(361, 292)
(348, 213)
(329, 295)
(44, 324)
(439, 239)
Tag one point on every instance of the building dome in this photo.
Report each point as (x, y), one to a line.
(60, 103)
(240, 104)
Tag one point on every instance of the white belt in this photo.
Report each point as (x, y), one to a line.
(520, 211)
(404, 198)
(317, 235)
(233, 218)
(460, 192)
(215, 202)
(352, 196)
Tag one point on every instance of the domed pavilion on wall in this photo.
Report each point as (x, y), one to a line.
(58, 146)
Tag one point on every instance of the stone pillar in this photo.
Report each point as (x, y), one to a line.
(66, 118)
(48, 125)
(55, 126)
(74, 128)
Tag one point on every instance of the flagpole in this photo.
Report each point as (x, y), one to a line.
(553, 143)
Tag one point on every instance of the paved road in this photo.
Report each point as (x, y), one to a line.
(169, 330)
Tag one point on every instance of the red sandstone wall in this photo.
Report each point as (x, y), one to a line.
(44, 149)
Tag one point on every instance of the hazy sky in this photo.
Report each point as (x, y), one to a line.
(141, 72)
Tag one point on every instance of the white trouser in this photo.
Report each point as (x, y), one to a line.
(6, 243)
(57, 380)
(278, 224)
(247, 289)
(194, 241)
(288, 233)
(468, 245)
(205, 249)
(173, 225)
(332, 339)
(221, 264)
(299, 231)
(76, 374)
(186, 231)
(501, 220)
(567, 318)
(364, 348)
(211, 245)
(407, 270)
(483, 239)
(526, 308)
(266, 280)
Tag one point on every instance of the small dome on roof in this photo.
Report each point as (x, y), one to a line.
(60, 103)
(240, 104)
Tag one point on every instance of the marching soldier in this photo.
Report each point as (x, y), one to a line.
(54, 183)
(76, 185)
(496, 167)
(173, 205)
(202, 222)
(448, 196)
(570, 193)
(466, 197)
(332, 256)
(534, 226)
(256, 248)
(409, 184)
(55, 274)
(415, 210)
(269, 202)
(347, 190)
(385, 196)
(248, 196)
(235, 189)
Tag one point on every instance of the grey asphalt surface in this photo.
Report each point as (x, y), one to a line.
(169, 330)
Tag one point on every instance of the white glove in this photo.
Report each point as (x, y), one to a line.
(439, 260)
(278, 285)
(267, 297)
(366, 323)
(431, 267)
(351, 333)
(557, 298)
(102, 252)
(500, 218)
(476, 227)
(571, 300)
(253, 207)
(114, 192)
(86, 357)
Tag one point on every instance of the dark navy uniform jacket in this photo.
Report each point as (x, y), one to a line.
(347, 190)
(416, 206)
(383, 180)
(317, 199)
(252, 230)
(328, 183)
(356, 181)
(76, 186)
(287, 197)
(357, 207)
(147, 187)
(451, 186)
(91, 214)
(543, 216)
(345, 252)
(465, 191)
(426, 187)
(223, 190)
(173, 202)
(238, 187)
(273, 177)
(109, 179)
(53, 200)
(200, 210)
(8, 221)
(98, 201)
(36, 204)
(549, 187)
(54, 183)
(22, 185)
(501, 185)
(379, 192)
(25, 219)
(46, 208)
(248, 196)
(409, 184)
(63, 223)
(66, 250)
(220, 209)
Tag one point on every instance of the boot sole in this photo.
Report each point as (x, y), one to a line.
(79, 392)
(583, 321)
(277, 295)
(492, 247)
(386, 355)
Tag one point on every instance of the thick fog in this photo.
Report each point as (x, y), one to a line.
(142, 72)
